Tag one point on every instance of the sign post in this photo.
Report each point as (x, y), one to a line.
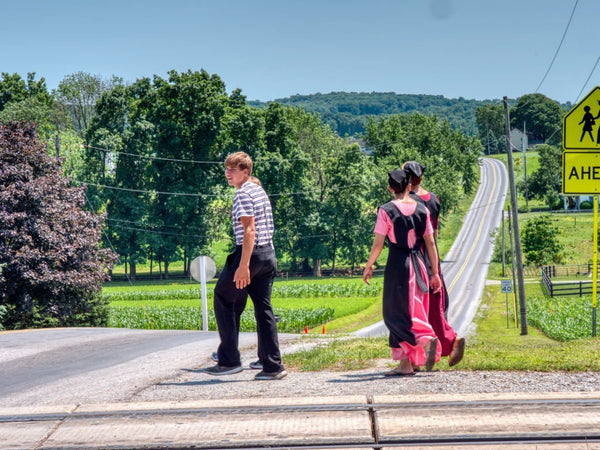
(595, 267)
(581, 166)
(506, 287)
(203, 269)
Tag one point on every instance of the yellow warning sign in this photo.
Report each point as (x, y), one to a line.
(581, 172)
(581, 125)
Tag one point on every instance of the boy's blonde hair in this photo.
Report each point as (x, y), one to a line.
(240, 160)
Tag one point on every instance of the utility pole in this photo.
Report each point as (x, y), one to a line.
(515, 213)
(503, 247)
(524, 150)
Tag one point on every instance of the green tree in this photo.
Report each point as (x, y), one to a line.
(29, 101)
(490, 124)
(159, 135)
(545, 183)
(540, 241)
(450, 157)
(121, 141)
(14, 89)
(349, 209)
(542, 117)
(188, 116)
(79, 93)
(51, 264)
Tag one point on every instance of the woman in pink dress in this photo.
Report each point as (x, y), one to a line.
(407, 226)
(452, 345)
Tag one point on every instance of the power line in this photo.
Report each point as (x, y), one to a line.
(139, 223)
(107, 238)
(559, 46)
(159, 232)
(258, 161)
(588, 79)
(144, 191)
(157, 158)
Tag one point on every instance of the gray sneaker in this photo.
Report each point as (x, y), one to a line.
(271, 375)
(257, 365)
(215, 357)
(222, 370)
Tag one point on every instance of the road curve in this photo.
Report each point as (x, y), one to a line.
(466, 265)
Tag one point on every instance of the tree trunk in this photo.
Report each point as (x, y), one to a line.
(166, 270)
(186, 263)
(132, 271)
(317, 267)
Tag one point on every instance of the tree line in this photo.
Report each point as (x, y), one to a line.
(348, 112)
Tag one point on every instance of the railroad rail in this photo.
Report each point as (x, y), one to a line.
(373, 424)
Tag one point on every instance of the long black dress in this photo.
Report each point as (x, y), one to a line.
(396, 283)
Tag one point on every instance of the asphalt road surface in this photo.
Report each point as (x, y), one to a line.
(55, 366)
(96, 365)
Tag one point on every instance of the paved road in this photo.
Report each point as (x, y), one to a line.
(465, 266)
(60, 366)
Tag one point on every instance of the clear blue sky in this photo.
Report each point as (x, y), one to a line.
(477, 49)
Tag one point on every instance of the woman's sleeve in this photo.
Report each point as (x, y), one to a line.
(428, 226)
(383, 224)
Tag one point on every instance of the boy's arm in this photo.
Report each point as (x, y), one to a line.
(241, 278)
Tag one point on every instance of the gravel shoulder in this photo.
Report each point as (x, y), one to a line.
(193, 384)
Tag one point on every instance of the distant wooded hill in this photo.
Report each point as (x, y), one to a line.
(348, 112)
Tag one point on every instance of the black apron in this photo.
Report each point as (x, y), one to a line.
(396, 315)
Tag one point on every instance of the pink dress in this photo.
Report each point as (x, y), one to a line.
(406, 304)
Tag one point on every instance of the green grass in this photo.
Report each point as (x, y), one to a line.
(497, 345)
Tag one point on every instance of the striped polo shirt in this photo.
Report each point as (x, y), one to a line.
(251, 200)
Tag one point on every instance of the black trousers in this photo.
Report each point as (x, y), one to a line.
(230, 302)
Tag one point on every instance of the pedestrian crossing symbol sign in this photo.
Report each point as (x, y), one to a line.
(581, 126)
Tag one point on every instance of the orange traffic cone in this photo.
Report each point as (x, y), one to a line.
(323, 330)
(305, 329)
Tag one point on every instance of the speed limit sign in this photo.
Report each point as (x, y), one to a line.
(506, 286)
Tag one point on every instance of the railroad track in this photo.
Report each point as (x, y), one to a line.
(373, 424)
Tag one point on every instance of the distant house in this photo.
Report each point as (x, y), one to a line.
(573, 202)
(522, 140)
(519, 140)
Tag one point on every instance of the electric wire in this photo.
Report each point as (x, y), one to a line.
(559, 46)
(108, 240)
(187, 194)
(588, 79)
(192, 161)
(166, 233)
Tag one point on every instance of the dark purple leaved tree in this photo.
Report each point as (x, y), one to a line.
(51, 264)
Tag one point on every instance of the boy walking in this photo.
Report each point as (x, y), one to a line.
(249, 270)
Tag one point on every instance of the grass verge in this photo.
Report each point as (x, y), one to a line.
(497, 345)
